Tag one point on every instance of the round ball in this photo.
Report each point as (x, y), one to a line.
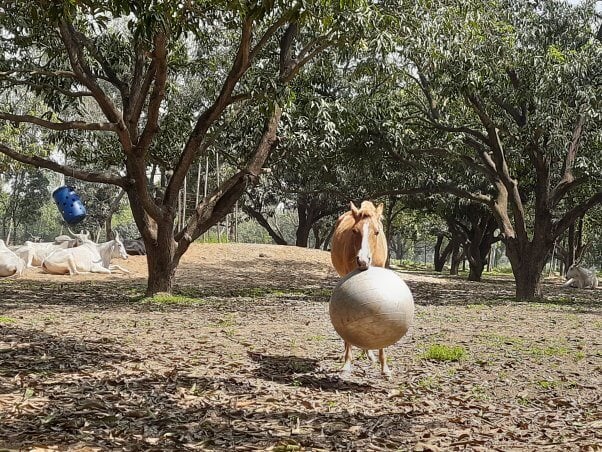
(371, 309)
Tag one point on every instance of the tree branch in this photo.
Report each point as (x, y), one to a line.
(567, 180)
(47, 86)
(109, 71)
(103, 177)
(223, 198)
(64, 125)
(277, 238)
(579, 210)
(501, 166)
(157, 94)
(87, 78)
(239, 67)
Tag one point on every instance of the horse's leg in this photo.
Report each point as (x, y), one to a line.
(347, 359)
(382, 358)
(370, 355)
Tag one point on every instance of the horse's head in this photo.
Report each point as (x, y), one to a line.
(367, 227)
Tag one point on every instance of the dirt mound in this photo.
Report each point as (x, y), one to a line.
(231, 263)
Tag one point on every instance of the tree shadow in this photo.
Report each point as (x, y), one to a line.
(35, 353)
(79, 396)
(267, 272)
(305, 372)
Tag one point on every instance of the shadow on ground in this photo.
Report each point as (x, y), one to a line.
(74, 395)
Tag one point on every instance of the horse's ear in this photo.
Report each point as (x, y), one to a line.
(354, 210)
(379, 209)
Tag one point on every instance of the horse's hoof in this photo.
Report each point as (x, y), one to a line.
(345, 372)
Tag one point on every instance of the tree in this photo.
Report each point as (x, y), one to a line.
(22, 207)
(511, 94)
(476, 228)
(124, 59)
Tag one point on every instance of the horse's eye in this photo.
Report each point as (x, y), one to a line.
(376, 232)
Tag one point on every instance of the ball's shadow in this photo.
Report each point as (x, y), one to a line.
(303, 372)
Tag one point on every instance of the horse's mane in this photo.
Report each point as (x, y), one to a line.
(367, 209)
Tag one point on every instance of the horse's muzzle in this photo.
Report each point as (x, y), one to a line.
(363, 264)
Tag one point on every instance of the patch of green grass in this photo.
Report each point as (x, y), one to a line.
(501, 339)
(318, 338)
(499, 271)
(6, 320)
(480, 393)
(227, 321)
(553, 300)
(523, 401)
(166, 298)
(547, 384)
(578, 356)
(551, 350)
(451, 372)
(431, 382)
(476, 306)
(442, 352)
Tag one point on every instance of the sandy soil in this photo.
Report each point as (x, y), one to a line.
(247, 360)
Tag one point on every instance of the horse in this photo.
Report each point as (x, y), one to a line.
(358, 242)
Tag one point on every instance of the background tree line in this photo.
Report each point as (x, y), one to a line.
(479, 126)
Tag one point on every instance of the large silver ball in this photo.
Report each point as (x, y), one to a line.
(371, 309)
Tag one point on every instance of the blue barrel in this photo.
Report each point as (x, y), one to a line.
(71, 207)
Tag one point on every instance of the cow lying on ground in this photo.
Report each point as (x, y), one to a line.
(10, 263)
(581, 277)
(34, 253)
(89, 257)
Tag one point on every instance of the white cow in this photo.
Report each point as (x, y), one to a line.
(34, 253)
(580, 277)
(10, 263)
(88, 257)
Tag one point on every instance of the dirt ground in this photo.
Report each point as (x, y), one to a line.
(247, 359)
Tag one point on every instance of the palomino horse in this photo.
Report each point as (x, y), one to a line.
(359, 242)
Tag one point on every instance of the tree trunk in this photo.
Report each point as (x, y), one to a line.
(302, 235)
(114, 207)
(570, 255)
(317, 238)
(476, 253)
(305, 213)
(161, 268)
(326, 244)
(527, 263)
(476, 269)
(263, 222)
(456, 258)
(528, 282)
(440, 257)
(438, 262)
